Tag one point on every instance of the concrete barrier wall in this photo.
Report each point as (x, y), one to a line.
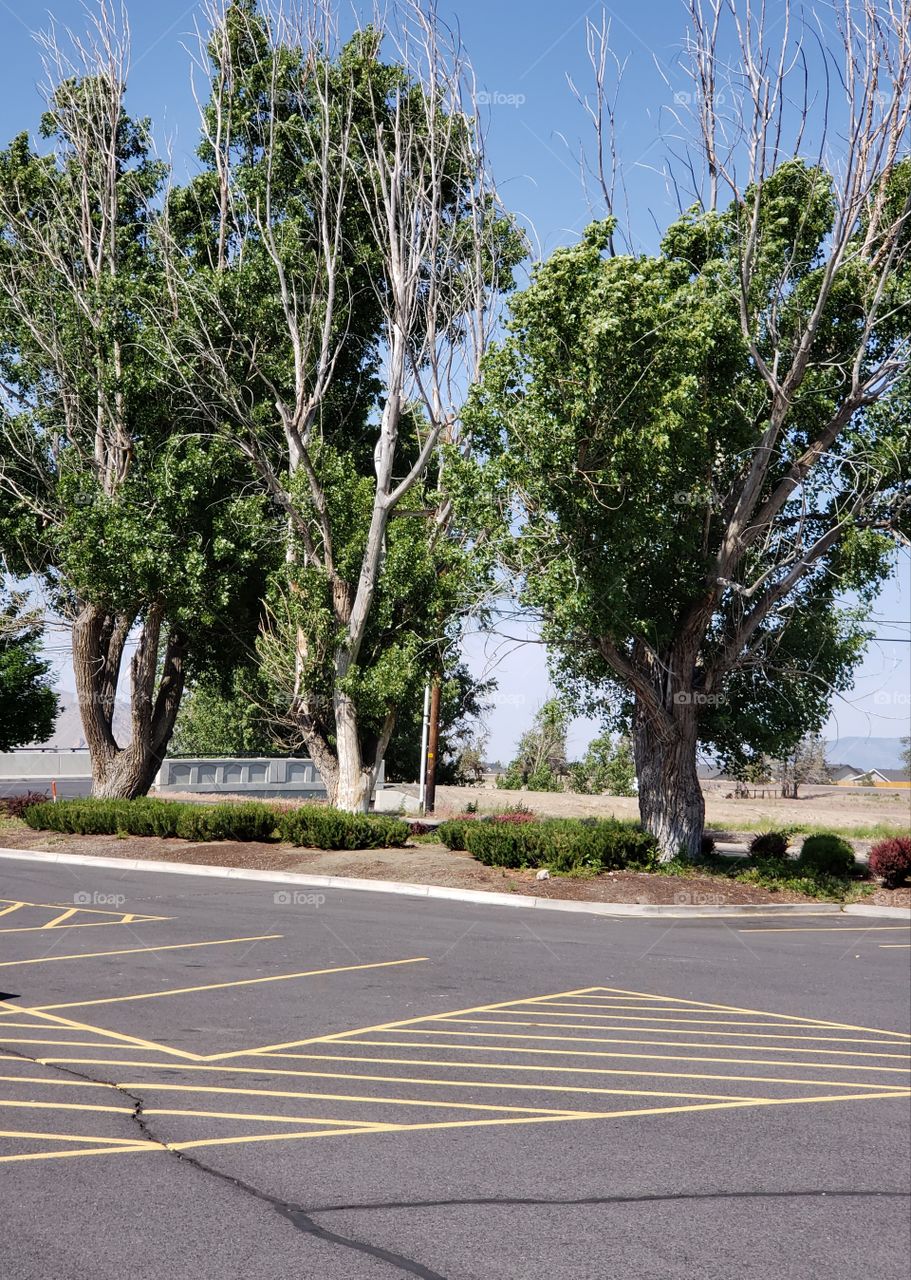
(45, 764)
(260, 776)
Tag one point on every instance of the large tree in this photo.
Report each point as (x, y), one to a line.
(707, 448)
(139, 529)
(333, 268)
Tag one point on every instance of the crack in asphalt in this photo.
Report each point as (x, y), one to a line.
(299, 1217)
(556, 1201)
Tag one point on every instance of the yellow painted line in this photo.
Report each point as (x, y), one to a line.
(448, 1124)
(827, 928)
(81, 924)
(343, 1097)
(219, 986)
(68, 1106)
(752, 1062)
(273, 1071)
(664, 1044)
(132, 951)
(497, 1048)
(89, 1151)
(258, 1115)
(486, 1066)
(604, 1021)
(763, 1013)
(498, 1084)
(894, 946)
(64, 1137)
(64, 915)
(595, 1115)
(133, 1041)
(622, 1017)
(382, 1026)
(70, 1044)
(730, 1035)
(90, 911)
(13, 906)
(69, 1084)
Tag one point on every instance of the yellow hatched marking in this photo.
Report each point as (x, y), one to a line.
(67, 1084)
(615, 1071)
(89, 1151)
(344, 1097)
(219, 986)
(763, 1013)
(260, 1116)
(624, 1017)
(68, 1106)
(89, 911)
(132, 951)
(64, 915)
(64, 1137)
(132, 1041)
(13, 906)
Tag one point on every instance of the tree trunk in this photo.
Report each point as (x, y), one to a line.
(156, 688)
(671, 803)
(355, 779)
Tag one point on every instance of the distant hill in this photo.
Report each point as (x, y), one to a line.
(68, 733)
(866, 753)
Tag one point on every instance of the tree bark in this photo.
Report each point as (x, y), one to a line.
(156, 688)
(671, 803)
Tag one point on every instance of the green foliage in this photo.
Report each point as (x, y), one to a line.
(318, 827)
(452, 832)
(623, 411)
(28, 704)
(891, 860)
(540, 761)
(225, 717)
(770, 844)
(776, 874)
(828, 854)
(152, 817)
(563, 844)
(463, 702)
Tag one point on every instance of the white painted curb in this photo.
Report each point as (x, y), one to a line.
(480, 896)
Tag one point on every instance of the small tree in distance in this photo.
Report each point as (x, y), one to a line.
(540, 760)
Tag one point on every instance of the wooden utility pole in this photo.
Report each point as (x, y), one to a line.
(433, 741)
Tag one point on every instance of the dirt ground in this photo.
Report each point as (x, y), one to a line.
(826, 806)
(419, 864)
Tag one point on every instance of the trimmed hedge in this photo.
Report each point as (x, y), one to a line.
(452, 833)
(151, 817)
(891, 861)
(319, 827)
(829, 854)
(562, 844)
(313, 826)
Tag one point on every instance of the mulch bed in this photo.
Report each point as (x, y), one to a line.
(424, 864)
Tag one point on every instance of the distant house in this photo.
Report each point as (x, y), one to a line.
(841, 772)
(871, 777)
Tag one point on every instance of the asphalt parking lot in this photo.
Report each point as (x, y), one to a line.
(215, 1078)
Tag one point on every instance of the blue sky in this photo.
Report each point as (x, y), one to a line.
(522, 51)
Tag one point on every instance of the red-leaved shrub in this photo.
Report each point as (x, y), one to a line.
(891, 860)
(15, 806)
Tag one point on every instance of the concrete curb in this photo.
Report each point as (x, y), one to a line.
(479, 896)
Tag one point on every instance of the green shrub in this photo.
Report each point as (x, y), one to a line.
(563, 844)
(149, 816)
(452, 832)
(830, 855)
(770, 844)
(319, 827)
(247, 821)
